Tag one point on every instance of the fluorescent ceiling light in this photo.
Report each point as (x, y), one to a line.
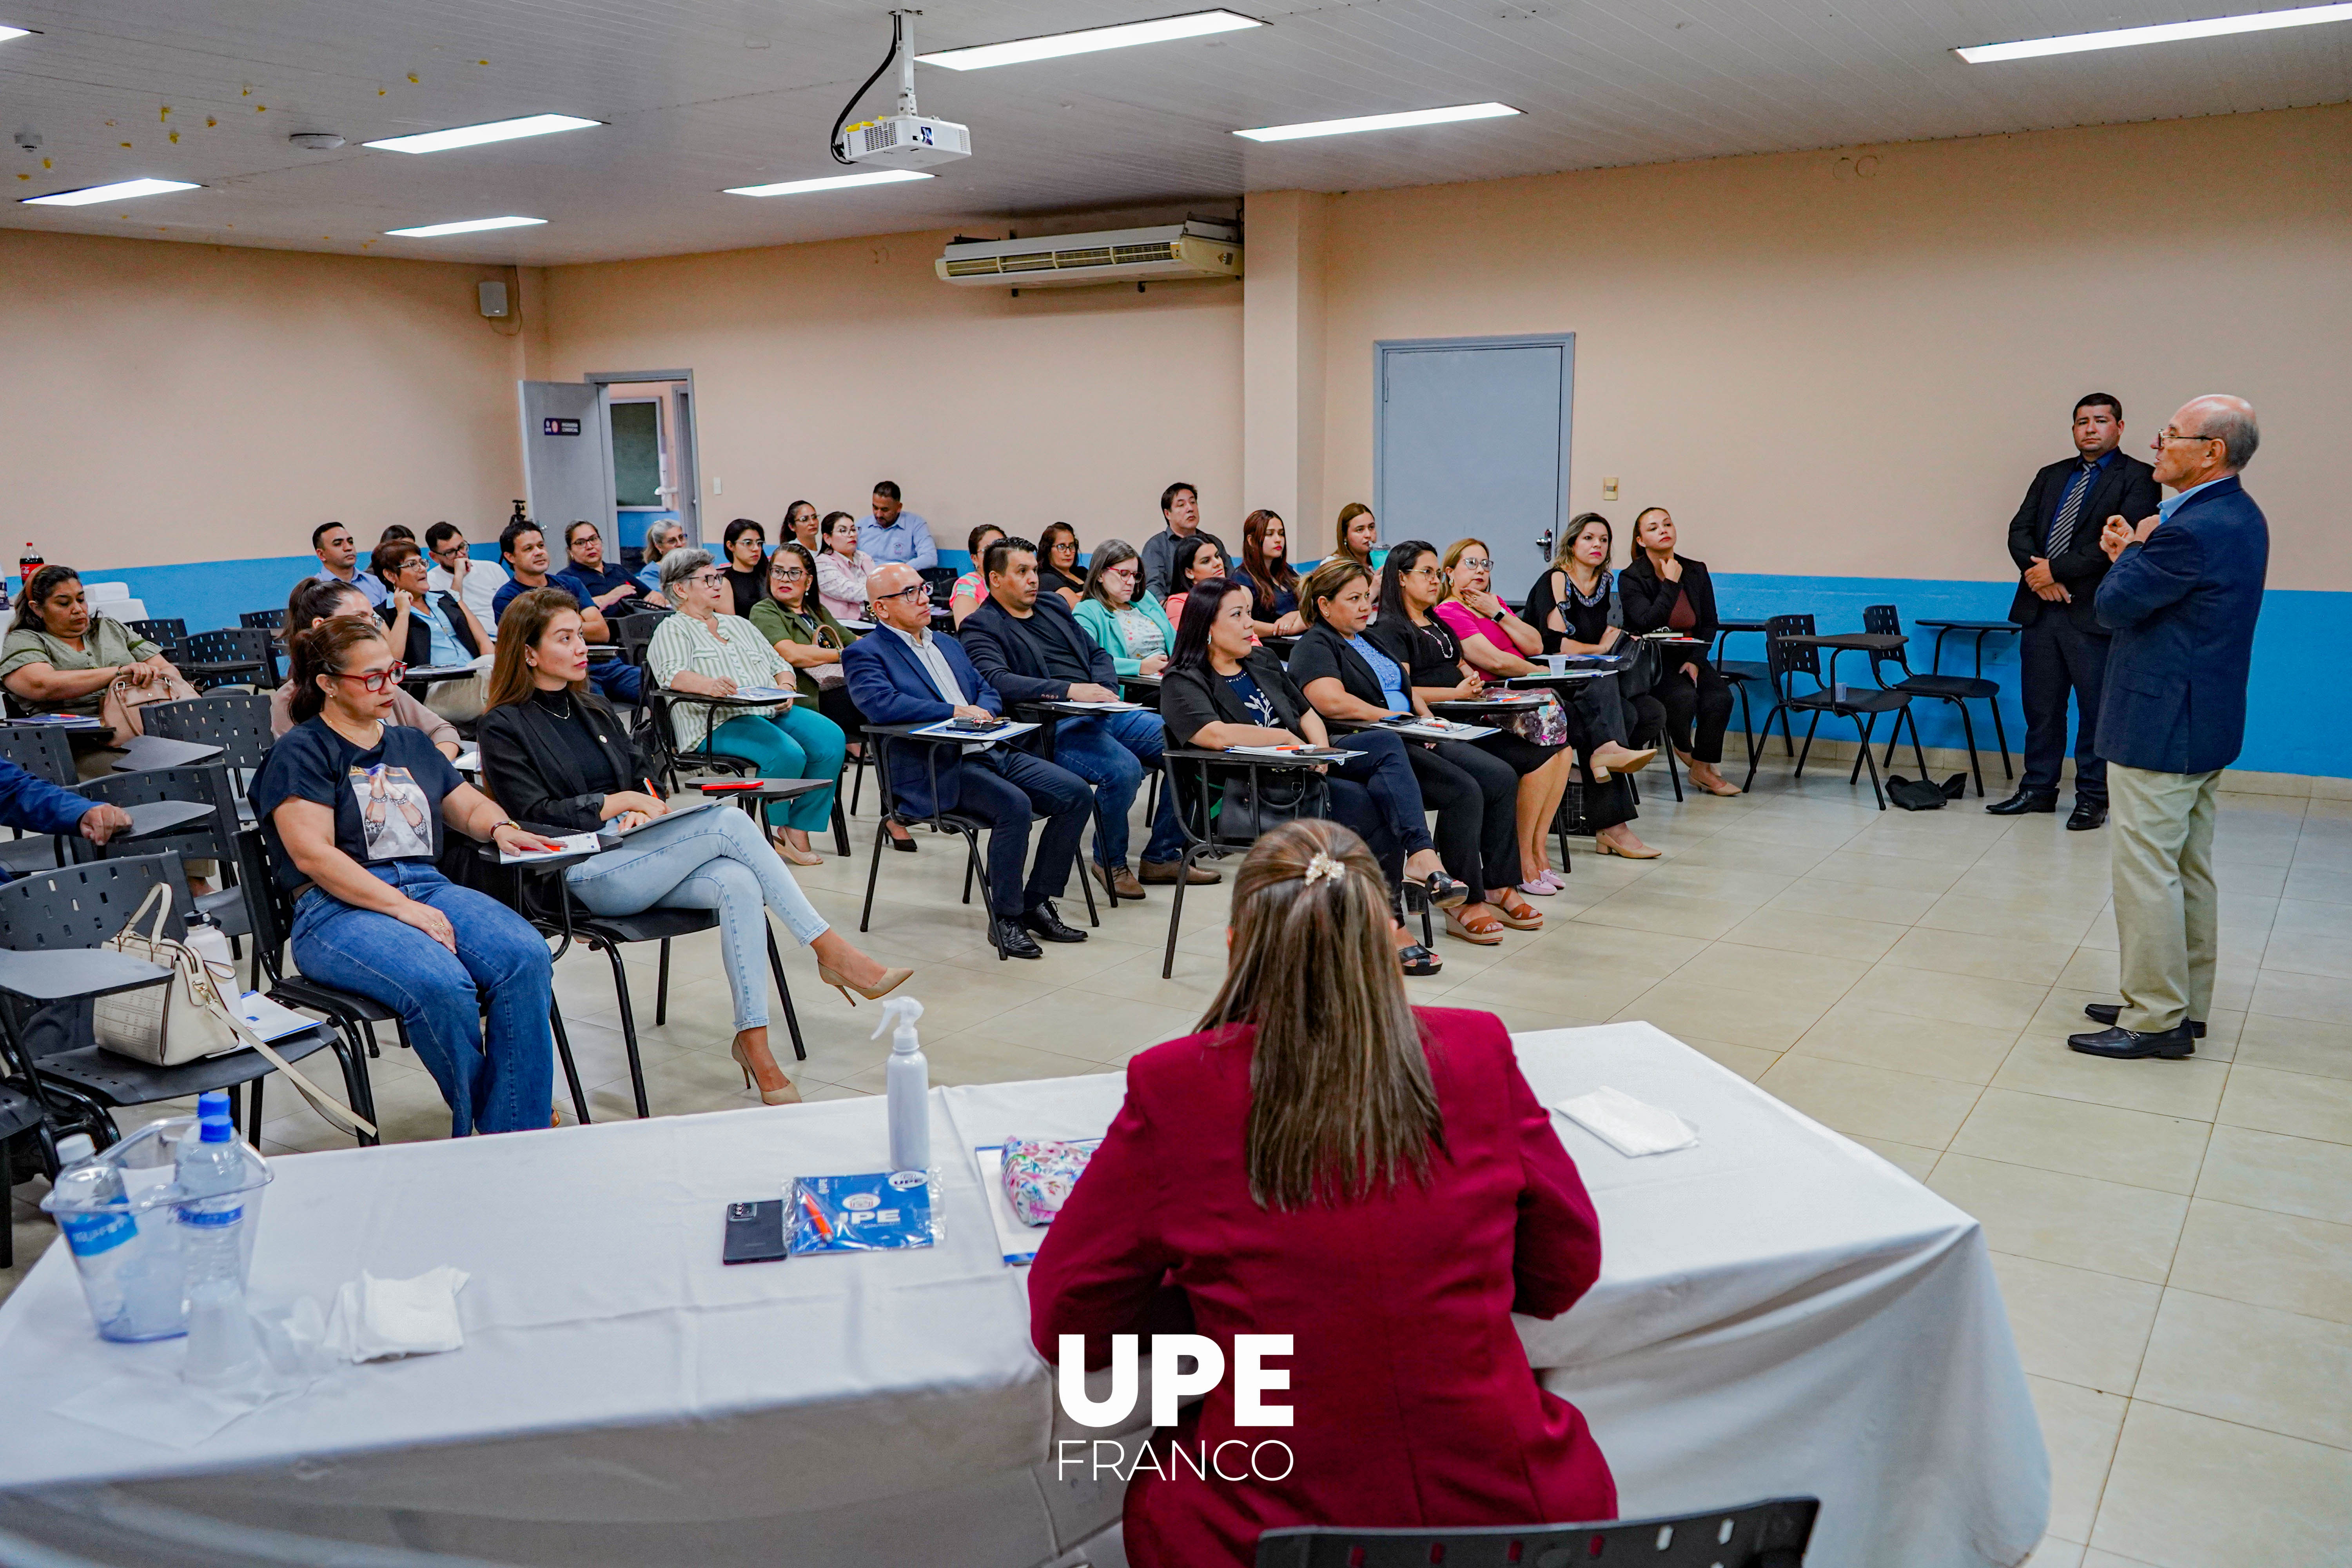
(1195, 24)
(474, 135)
(832, 183)
(121, 190)
(8, 32)
(470, 226)
(1379, 122)
(2162, 33)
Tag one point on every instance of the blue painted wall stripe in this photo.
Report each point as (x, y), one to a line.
(2295, 724)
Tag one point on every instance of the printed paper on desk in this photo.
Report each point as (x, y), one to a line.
(568, 844)
(267, 1019)
(1632, 1127)
(1102, 707)
(763, 694)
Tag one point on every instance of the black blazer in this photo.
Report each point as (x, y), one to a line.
(1431, 654)
(1000, 649)
(1649, 599)
(2126, 486)
(420, 636)
(1192, 699)
(1323, 652)
(529, 773)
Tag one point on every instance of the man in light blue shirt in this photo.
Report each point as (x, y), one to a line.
(339, 553)
(890, 533)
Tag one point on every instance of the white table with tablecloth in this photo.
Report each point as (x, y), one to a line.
(1779, 1311)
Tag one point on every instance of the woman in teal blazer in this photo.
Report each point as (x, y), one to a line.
(1136, 634)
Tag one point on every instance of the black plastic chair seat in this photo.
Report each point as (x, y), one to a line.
(646, 925)
(119, 1081)
(294, 991)
(20, 855)
(1858, 700)
(17, 1112)
(1744, 670)
(1954, 686)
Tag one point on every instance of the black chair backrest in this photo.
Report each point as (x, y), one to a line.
(83, 905)
(265, 905)
(165, 631)
(268, 620)
(633, 632)
(1884, 620)
(942, 581)
(1769, 1534)
(233, 720)
(209, 785)
(228, 642)
(1783, 660)
(41, 749)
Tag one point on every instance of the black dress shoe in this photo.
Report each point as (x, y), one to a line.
(2087, 814)
(1015, 942)
(904, 845)
(2126, 1045)
(1045, 920)
(1418, 960)
(2109, 1012)
(2024, 800)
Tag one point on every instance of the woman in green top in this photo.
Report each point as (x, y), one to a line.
(59, 658)
(1133, 631)
(806, 634)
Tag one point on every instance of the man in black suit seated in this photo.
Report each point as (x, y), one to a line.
(2054, 539)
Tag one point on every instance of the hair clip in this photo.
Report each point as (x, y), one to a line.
(1323, 867)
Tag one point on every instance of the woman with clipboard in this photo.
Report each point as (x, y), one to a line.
(555, 755)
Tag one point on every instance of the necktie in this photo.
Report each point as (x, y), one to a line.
(2061, 526)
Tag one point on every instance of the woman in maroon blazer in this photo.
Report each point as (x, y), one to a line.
(1373, 1179)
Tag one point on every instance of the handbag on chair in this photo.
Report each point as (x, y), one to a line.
(119, 710)
(189, 1016)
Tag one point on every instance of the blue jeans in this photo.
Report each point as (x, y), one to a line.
(798, 744)
(618, 681)
(709, 859)
(505, 1087)
(1111, 752)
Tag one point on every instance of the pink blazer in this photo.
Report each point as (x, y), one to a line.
(1413, 1403)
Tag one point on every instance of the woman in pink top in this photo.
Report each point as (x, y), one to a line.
(841, 568)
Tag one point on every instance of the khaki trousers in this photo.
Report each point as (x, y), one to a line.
(2166, 921)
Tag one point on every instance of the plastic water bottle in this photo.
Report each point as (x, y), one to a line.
(204, 934)
(212, 1175)
(908, 1084)
(99, 1241)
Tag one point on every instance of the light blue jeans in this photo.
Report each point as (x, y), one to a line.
(709, 859)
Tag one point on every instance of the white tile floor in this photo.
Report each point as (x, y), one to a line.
(2173, 1239)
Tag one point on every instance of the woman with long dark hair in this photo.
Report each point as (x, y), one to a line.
(1220, 690)
(1197, 561)
(1576, 606)
(801, 523)
(556, 756)
(352, 808)
(1121, 614)
(60, 656)
(802, 628)
(1272, 580)
(966, 592)
(746, 566)
(1374, 1180)
(1668, 592)
(1359, 534)
(841, 568)
(1058, 570)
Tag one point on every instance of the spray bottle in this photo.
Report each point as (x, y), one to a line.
(908, 1080)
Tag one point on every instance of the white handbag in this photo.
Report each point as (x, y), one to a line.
(190, 1016)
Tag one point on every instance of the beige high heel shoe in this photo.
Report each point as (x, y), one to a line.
(892, 980)
(793, 854)
(788, 1095)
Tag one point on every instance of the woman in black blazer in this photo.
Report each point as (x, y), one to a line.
(553, 755)
(1219, 691)
(1667, 592)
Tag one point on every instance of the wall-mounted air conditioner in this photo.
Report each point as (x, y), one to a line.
(1190, 249)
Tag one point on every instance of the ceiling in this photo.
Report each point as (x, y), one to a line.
(703, 94)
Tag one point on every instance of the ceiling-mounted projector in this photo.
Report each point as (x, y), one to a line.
(905, 140)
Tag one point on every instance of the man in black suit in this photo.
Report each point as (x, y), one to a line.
(2054, 539)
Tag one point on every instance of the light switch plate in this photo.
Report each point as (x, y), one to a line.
(1608, 487)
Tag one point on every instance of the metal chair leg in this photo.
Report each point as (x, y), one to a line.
(1919, 753)
(1853, 776)
(1673, 773)
(253, 1114)
(840, 824)
(661, 988)
(563, 1055)
(784, 994)
(629, 1031)
(1747, 728)
(2001, 735)
(1875, 790)
(1176, 908)
(1754, 756)
(873, 872)
(969, 867)
(1969, 730)
(1808, 740)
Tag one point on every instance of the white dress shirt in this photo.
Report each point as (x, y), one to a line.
(483, 580)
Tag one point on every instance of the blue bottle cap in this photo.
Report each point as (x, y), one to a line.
(213, 1123)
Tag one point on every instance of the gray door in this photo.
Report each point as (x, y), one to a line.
(1472, 438)
(567, 457)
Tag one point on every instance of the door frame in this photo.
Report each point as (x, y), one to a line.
(685, 442)
(1383, 347)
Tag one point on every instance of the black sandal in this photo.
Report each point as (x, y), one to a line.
(1418, 961)
(1444, 892)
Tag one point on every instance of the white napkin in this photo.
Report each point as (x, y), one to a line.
(1630, 1126)
(375, 1318)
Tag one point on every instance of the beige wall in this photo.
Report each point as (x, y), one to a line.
(165, 402)
(1828, 374)
(822, 368)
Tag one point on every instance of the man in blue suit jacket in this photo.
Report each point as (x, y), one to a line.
(902, 673)
(2181, 600)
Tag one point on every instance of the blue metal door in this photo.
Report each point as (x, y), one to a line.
(1472, 438)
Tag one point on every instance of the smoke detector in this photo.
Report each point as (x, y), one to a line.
(316, 140)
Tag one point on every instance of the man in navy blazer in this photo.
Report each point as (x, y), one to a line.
(903, 673)
(2054, 539)
(2180, 600)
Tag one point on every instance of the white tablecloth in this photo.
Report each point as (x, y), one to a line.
(1779, 1311)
